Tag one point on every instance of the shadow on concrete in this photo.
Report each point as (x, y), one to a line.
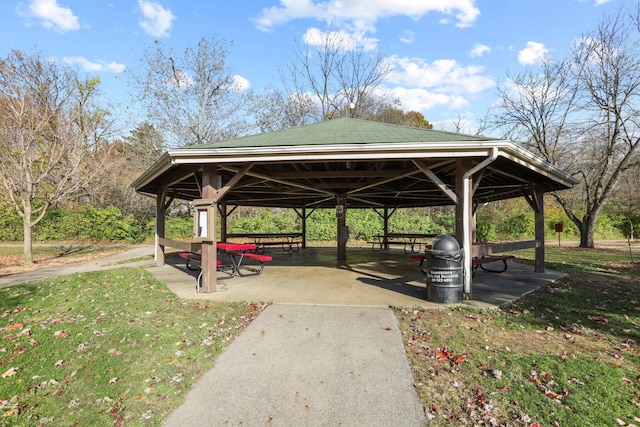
(314, 276)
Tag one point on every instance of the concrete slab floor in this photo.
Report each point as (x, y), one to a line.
(368, 278)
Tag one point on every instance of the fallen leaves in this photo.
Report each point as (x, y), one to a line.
(544, 381)
(444, 355)
(14, 327)
(10, 372)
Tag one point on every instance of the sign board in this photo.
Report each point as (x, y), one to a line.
(202, 223)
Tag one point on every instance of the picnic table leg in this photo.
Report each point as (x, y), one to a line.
(495, 271)
(236, 264)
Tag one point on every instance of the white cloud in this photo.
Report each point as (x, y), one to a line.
(342, 39)
(445, 75)
(407, 37)
(240, 83)
(94, 67)
(52, 15)
(363, 14)
(601, 2)
(422, 86)
(418, 99)
(532, 54)
(156, 20)
(479, 50)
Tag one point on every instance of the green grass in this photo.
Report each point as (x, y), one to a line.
(567, 354)
(105, 348)
(598, 260)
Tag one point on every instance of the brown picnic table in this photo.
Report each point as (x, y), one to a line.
(411, 242)
(289, 242)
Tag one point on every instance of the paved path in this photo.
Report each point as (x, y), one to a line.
(113, 261)
(308, 365)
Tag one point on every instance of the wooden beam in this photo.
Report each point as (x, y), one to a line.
(434, 178)
(365, 201)
(183, 245)
(384, 181)
(337, 174)
(219, 193)
(282, 181)
(496, 248)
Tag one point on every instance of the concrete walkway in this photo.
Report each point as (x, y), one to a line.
(130, 258)
(306, 365)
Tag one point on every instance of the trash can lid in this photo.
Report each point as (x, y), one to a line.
(444, 242)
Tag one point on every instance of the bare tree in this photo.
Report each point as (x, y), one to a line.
(608, 73)
(582, 115)
(50, 147)
(192, 98)
(131, 156)
(340, 72)
(274, 110)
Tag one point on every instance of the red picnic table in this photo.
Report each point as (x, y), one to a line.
(237, 253)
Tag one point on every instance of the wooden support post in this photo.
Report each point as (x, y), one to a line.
(539, 221)
(385, 226)
(303, 217)
(341, 214)
(535, 198)
(223, 222)
(210, 185)
(160, 226)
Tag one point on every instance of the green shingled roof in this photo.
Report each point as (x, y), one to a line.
(343, 131)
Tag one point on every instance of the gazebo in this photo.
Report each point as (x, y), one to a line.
(349, 164)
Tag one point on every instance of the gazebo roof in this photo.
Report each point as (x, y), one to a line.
(373, 164)
(342, 131)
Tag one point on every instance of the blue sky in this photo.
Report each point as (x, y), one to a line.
(447, 55)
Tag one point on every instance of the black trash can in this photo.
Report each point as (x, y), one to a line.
(445, 274)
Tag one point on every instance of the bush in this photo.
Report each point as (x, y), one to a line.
(321, 225)
(485, 231)
(500, 221)
(363, 224)
(87, 224)
(10, 225)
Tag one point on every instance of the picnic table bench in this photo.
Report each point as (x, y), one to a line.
(289, 242)
(411, 242)
(477, 262)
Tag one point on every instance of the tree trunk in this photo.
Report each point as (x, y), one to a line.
(28, 244)
(587, 231)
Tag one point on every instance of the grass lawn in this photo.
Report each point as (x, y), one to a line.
(565, 355)
(105, 348)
